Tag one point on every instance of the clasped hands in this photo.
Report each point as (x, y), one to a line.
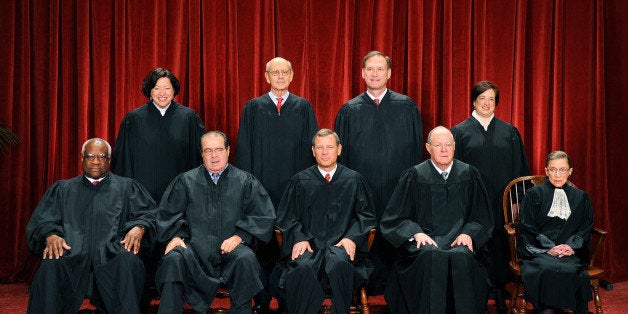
(55, 245)
(561, 250)
(424, 239)
(300, 247)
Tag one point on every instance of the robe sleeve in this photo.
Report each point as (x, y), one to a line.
(46, 219)
(519, 153)
(259, 213)
(171, 220)
(244, 151)
(363, 216)
(289, 222)
(143, 211)
(341, 126)
(122, 158)
(479, 225)
(398, 225)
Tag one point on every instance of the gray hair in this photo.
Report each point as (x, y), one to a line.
(99, 140)
(438, 129)
(326, 132)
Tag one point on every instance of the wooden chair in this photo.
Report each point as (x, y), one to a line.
(513, 194)
(356, 308)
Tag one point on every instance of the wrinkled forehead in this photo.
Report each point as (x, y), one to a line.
(212, 141)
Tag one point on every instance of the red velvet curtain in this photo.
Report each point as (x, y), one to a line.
(74, 68)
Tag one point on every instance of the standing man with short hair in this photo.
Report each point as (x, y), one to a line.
(273, 144)
(88, 231)
(382, 135)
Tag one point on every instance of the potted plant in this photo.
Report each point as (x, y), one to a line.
(7, 138)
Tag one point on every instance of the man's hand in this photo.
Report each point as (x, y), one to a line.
(561, 250)
(230, 244)
(176, 241)
(423, 239)
(299, 248)
(463, 239)
(349, 247)
(133, 239)
(54, 247)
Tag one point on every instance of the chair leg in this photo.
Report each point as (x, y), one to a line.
(518, 301)
(364, 300)
(595, 284)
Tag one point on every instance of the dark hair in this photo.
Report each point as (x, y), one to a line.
(376, 53)
(558, 154)
(326, 132)
(217, 133)
(481, 87)
(151, 80)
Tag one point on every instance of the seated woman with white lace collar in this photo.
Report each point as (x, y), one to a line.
(554, 239)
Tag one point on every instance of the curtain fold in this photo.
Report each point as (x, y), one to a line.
(74, 68)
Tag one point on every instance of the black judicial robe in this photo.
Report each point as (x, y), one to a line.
(499, 155)
(553, 281)
(323, 213)
(205, 214)
(272, 146)
(92, 220)
(153, 149)
(380, 142)
(443, 209)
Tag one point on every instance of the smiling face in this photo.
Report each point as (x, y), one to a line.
(100, 162)
(485, 104)
(441, 147)
(376, 74)
(215, 154)
(558, 171)
(326, 151)
(163, 92)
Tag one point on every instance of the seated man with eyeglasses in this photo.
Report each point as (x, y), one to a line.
(439, 220)
(212, 216)
(88, 231)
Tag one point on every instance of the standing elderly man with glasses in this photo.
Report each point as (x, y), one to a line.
(439, 220)
(88, 231)
(274, 144)
(212, 216)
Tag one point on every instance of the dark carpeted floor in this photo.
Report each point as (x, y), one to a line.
(14, 298)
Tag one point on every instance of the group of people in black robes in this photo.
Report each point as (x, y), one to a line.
(439, 246)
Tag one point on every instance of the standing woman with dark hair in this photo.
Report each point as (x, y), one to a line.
(160, 139)
(555, 222)
(495, 148)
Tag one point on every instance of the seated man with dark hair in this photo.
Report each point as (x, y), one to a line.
(212, 215)
(325, 216)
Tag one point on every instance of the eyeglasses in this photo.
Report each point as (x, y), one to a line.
(558, 170)
(277, 72)
(209, 151)
(91, 157)
(446, 145)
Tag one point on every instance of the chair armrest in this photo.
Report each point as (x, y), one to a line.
(601, 236)
(512, 242)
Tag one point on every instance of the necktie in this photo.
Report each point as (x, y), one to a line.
(95, 182)
(327, 177)
(444, 174)
(376, 100)
(279, 100)
(215, 177)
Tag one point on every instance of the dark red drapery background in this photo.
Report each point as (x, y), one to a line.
(72, 69)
